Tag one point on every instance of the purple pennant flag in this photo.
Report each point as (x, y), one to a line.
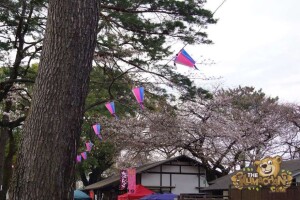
(78, 158)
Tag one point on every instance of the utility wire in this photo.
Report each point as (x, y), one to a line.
(219, 7)
(199, 29)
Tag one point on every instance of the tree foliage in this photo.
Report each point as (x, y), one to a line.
(133, 38)
(226, 132)
(135, 44)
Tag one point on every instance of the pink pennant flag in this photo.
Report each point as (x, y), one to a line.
(184, 58)
(111, 108)
(84, 155)
(139, 95)
(97, 128)
(89, 146)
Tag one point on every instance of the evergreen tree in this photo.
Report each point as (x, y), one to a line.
(45, 164)
(132, 37)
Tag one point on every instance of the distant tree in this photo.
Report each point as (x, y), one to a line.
(292, 138)
(100, 159)
(14, 109)
(225, 131)
(22, 25)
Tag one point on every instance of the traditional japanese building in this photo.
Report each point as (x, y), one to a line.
(178, 175)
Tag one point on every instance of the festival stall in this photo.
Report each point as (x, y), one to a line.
(157, 196)
(140, 192)
(79, 195)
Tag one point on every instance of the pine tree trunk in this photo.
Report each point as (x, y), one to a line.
(4, 136)
(46, 161)
(3, 140)
(8, 164)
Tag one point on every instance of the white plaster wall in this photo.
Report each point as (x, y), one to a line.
(189, 169)
(170, 168)
(225, 193)
(184, 183)
(150, 179)
(166, 179)
(155, 169)
(297, 178)
(203, 181)
(179, 163)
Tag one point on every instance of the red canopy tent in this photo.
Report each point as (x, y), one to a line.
(141, 191)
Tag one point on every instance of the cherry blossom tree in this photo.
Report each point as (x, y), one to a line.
(225, 131)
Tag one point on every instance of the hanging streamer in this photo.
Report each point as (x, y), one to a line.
(111, 108)
(139, 95)
(185, 59)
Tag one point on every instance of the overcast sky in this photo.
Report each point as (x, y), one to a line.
(256, 43)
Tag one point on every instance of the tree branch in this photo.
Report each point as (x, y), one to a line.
(13, 124)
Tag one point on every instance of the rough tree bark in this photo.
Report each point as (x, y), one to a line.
(3, 140)
(4, 136)
(45, 164)
(7, 171)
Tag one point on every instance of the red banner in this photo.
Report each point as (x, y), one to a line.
(92, 194)
(131, 173)
(123, 179)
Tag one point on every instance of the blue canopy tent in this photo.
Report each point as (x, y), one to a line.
(157, 196)
(79, 195)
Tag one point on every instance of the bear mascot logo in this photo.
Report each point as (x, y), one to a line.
(265, 172)
(268, 166)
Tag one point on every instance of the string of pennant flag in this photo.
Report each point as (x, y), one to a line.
(139, 95)
(182, 58)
